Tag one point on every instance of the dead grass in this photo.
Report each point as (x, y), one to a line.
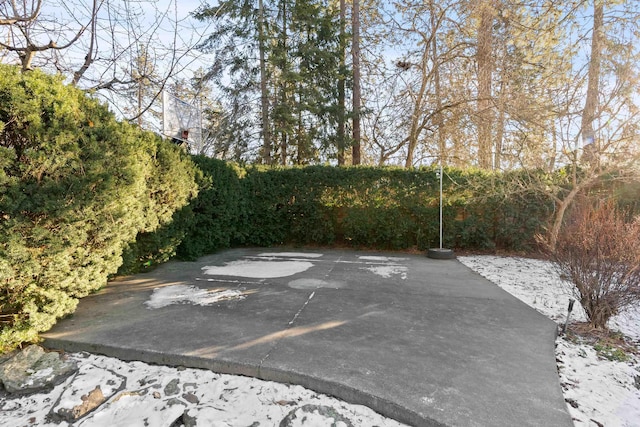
(605, 341)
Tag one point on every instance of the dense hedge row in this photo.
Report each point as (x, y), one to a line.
(76, 187)
(385, 208)
(388, 208)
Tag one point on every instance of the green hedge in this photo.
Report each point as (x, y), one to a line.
(76, 187)
(372, 207)
(216, 218)
(390, 208)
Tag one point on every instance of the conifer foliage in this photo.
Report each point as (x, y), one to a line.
(76, 186)
(287, 54)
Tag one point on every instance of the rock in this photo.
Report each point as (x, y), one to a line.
(314, 415)
(146, 381)
(156, 395)
(174, 401)
(191, 398)
(33, 370)
(90, 402)
(572, 402)
(185, 386)
(189, 420)
(172, 388)
(91, 387)
(185, 420)
(6, 356)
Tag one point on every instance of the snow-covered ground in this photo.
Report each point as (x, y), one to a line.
(600, 392)
(139, 394)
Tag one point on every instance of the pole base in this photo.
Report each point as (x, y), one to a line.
(440, 253)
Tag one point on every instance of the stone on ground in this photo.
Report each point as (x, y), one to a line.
(33, 370)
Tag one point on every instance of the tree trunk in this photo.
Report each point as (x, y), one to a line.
(414, 131)
(484, 60)
(355, 52)
(25, 59)
(141, 85)
(497, 154)
(284, 88)
(264, 96)
(283, 148)
(300, 158)
(591, 102)
(558, 218)
(341, 86)
(439, 120)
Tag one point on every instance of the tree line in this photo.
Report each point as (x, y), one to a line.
(496, 84)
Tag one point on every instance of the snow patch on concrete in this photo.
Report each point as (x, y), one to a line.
(183, 294)
(315, 284)
(387, 271)
(259, 269)
(290, 254)
(381, 258)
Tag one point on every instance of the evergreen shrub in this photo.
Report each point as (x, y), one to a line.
(173, 182)
(372, 207)
(76, 187)
(389, 208)
(216, 218)
(365, 207)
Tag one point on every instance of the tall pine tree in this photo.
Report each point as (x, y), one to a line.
(286, 54)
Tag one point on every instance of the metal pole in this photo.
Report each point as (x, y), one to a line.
(440, 203)
(566, 322)
(201, 148)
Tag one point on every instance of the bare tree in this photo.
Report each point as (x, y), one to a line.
(599, 252)
(421, 71)
(24, 33)
(15, 14)
(92, 46)
(385, 144)
(608, 122)
(355, 55)
(485, 67)
(98, 45)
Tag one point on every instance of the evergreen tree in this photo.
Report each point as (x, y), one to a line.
(76, 187)
(287, 55)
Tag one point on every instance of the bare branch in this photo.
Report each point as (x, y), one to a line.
(90, 57)
(19, 18)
